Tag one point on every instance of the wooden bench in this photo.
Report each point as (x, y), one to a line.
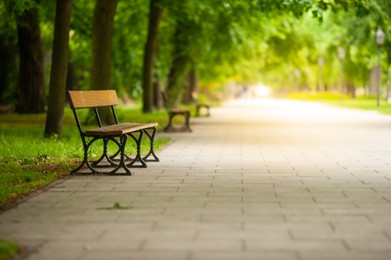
(173, 113)
(116, 133)
(200, 106)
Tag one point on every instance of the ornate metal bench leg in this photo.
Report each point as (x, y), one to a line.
(169, 127)
(137, 158)
(109, 159)
(86, 146)
(151, 146)
(85, 161)
(122, 159)
(207, 110)
(78, 168)
(187, 122)
(122, 162)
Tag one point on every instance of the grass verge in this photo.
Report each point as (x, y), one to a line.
(29, 161)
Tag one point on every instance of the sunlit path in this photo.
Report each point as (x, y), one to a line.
(299, 127)
(259, 179)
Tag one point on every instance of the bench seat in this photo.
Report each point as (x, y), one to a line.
(199, 106)
(172, 112)
(118, 129)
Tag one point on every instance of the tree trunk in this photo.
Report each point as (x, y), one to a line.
(351, 91)
(8, 56)
(31, 79)
(58, 75)
(72, 80)
(388, 81)
(101, 49)
(191, 86)
(150, 53)
(178, 68)
(157, 97)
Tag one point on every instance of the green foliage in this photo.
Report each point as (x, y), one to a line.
(130, 32)
(19, 7)
(225, 41)
(297, 7)
(8, 249)
(116, 206)
(80, 44)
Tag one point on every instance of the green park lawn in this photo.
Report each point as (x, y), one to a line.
(28, 161)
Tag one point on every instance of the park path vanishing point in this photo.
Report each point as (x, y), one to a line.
(259, 179)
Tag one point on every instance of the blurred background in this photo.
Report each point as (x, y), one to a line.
(206, 50)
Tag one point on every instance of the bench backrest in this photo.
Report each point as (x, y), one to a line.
(92, 98)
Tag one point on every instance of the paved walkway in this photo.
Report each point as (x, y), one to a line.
(258, 180)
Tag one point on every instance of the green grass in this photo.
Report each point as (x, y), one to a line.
(29, 161)
(361, 102)
(7, 249)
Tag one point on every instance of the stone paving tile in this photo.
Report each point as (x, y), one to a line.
(205, 245)
(318, 245)
(276, 255)
(50, 253)
(135, 255)
(78, 249)
(344, 255)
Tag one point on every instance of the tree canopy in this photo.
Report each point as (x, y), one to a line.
(288, 45)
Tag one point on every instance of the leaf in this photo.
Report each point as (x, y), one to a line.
(116, 205)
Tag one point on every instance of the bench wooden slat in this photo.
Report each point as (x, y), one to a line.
(92, 98)
(119, 129)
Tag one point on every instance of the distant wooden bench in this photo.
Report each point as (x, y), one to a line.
(200, 106)
(117, 133)
(173, 113)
